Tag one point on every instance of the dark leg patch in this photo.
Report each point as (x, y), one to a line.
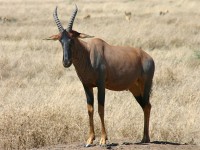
(141, 101)
(89, 95)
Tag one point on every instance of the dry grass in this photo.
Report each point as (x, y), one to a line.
(41, 103)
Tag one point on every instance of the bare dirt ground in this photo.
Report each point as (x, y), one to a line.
(119, 145)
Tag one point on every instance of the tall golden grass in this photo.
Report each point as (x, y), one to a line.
(42, 103)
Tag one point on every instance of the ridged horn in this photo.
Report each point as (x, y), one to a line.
(58, 23)
(71, 21)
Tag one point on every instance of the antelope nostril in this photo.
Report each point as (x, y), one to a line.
(67, 63)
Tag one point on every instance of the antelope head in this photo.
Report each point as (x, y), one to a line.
(66, 37)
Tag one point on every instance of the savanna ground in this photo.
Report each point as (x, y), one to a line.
(43, 104)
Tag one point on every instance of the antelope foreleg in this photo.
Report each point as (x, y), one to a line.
(101, 100)
(90, 107)
(91, 123)
(103, 129)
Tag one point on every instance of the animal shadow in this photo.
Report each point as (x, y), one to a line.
(111, 145)
(114, 145)
(159, 142)
(165, 142)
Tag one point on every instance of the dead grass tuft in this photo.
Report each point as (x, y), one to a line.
(167, 77)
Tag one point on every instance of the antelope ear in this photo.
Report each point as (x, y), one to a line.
(54, 37)
(82, 35)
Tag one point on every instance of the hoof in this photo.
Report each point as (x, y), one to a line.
(102, 142)
(88, 145)
(89, 142)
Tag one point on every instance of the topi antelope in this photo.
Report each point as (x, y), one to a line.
(101, 65)
(162, 13)
(127, 15)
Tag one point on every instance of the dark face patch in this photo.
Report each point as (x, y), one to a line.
(66, 42)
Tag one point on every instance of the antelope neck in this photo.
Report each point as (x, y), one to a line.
(81, 62)
(79, 50)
